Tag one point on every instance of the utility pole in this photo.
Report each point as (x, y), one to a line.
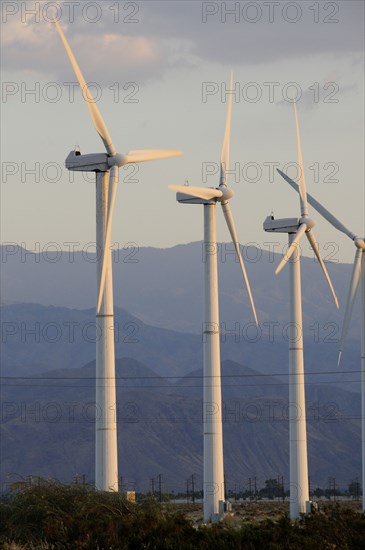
(153, 486)
(159, 487)
(225, 486)
(334, 489)
(187, 490)
(250, 488)
(255, 489)
(357, 487)
(332, 484)
(192, 487)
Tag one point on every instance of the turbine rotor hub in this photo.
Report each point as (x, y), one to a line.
(309, 222)
(227, 194)
(360, 243)
(117, 160)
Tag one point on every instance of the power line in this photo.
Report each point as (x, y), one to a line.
(178, 387)
(40, 377)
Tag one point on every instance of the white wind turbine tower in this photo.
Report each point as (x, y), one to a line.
(296, 228)
(214, 504)
(358, 274)
(106, 168)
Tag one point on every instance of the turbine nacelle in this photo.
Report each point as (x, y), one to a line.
(102, 162)
(95, 162)
(287, 225)
(202, 195)
(186, 198)
(92, 162)
(283, 225)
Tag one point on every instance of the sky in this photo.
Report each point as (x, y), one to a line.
(160, 71)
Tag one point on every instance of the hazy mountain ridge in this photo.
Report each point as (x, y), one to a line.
(164, 287)
(160, 386)
(46, 417)
(38, 338)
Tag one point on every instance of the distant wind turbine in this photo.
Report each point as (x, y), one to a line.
(212, 415)
(358, 274)
(106, 168)
(296, 228)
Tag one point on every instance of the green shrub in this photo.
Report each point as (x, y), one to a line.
(52, 516)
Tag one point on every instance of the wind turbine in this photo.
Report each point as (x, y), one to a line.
(106, 168)
(296, 228)
(358, 274)
(214, 504)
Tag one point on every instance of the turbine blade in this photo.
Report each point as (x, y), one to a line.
(96, 117)
(302, 186)
(355, 278)
(113, 186)
(223, 178)
(320, 208)
(151, 154)
(315, 247)
(232, 229)
(200, 192)
(292, 248)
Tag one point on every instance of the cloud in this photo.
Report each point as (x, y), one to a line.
(106, 52)
(254, 32)
(167, 33)
(103, 57)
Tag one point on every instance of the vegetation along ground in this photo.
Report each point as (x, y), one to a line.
(55, 516)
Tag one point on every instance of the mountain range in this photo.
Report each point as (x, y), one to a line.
(48, 427)
(164, 287)
(47, 366)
